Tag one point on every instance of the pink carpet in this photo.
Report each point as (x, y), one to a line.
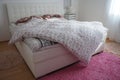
(102, 66)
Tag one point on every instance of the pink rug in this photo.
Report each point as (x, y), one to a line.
(104, 66)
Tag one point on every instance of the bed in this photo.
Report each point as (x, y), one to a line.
(52, 58)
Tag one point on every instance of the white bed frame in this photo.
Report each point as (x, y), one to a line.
(43, 62)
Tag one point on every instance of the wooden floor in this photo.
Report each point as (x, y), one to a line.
(18, 70)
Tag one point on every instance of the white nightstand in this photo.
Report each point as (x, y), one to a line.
(70, 16)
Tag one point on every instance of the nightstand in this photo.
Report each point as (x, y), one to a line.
(70, 16)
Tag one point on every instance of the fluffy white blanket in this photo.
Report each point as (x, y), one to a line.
(81, 38)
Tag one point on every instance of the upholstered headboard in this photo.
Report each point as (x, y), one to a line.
(20, 10)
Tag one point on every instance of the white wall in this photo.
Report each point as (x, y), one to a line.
(75, 8)
(4, 30)
(93, 10)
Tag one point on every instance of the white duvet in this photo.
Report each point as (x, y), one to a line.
(81, 38)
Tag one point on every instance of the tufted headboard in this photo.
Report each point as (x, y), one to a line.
(20, 10)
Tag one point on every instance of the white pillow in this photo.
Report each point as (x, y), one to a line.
(33, 43)
(32, 21)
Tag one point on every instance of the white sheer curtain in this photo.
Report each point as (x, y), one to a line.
(114, 20)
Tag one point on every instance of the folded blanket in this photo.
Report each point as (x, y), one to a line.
(81, 38)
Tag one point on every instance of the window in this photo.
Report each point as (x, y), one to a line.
(115, 8)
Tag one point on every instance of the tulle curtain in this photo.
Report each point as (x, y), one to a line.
(114, 20)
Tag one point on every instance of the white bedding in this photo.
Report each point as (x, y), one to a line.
(81, 38)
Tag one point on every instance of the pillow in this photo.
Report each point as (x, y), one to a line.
(33, 43)
(26, 19)
(32, 21)
(39, 17)
(23, 20)
(57, 16)
(46, 16)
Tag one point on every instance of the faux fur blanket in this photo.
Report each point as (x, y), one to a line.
(81, 38)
